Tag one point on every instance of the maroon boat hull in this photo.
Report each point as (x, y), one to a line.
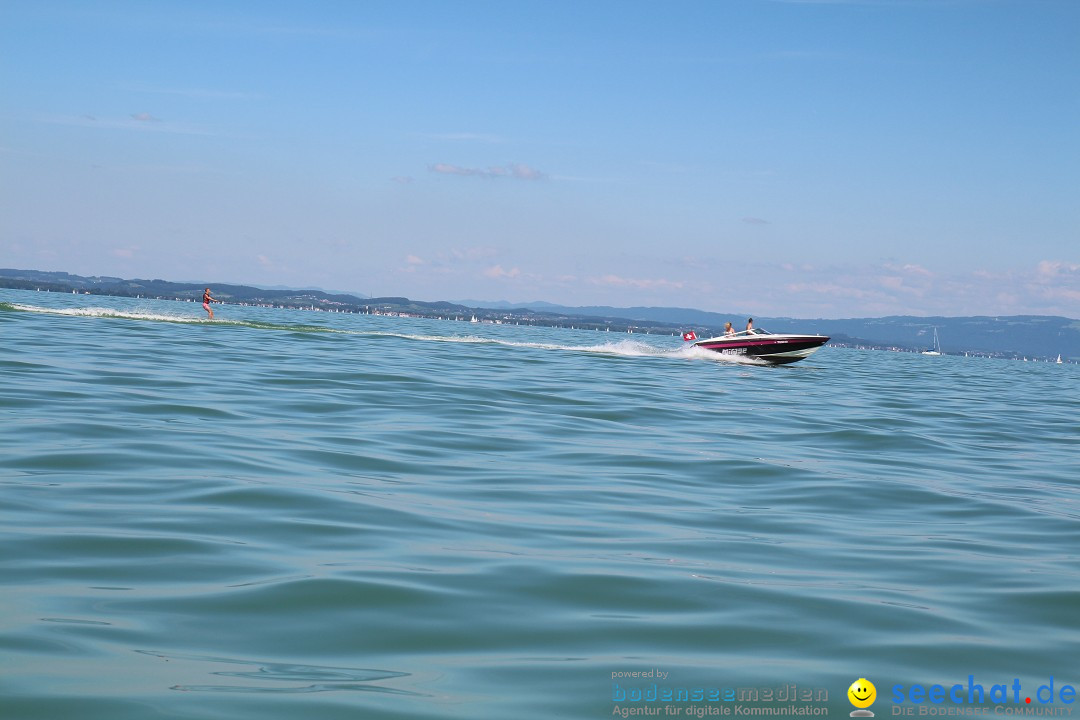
(775, 349)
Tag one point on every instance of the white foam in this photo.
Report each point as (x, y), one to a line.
(101, 312)
(624, 348)
(109, 313)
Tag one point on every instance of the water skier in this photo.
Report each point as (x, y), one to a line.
(206, 300)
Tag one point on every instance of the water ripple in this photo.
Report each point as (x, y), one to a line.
(505, 515)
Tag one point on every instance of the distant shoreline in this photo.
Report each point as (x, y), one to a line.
(1035, 337)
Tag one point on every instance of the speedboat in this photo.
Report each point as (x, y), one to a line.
(775, 348)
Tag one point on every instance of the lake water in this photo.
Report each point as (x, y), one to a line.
(290, 514)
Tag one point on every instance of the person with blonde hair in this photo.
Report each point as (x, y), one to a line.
(207, 298)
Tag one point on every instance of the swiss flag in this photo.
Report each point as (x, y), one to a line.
(690, 335)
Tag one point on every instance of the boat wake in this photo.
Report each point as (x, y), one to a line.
(627, 348)
(620, 348)
(103, 312)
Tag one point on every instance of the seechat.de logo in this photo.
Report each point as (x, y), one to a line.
(862, 695)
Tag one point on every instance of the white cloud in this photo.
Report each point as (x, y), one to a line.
(638, 283)
(1049, 287)
(1050, 269)
(524, 172)
(138, 121)
(516, 171)
(909, 269)
(498, 272)
(448, 169)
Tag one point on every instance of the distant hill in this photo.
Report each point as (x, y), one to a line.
(672, 315)
(104, 285)
(1035, 336)
(1023, 335)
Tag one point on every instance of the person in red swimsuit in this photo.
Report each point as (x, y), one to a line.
(206, 300)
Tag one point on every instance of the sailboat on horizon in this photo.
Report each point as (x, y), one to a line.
(936, 350)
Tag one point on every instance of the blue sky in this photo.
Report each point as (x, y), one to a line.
(807, 158)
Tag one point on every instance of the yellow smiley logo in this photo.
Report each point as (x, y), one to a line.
(862, 693)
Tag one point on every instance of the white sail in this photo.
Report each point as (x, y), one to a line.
(936, 350)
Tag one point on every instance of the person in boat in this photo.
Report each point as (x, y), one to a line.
(207, 298)
(728, 330)
(750, 326)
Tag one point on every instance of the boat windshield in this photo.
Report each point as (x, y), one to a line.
(745, 333)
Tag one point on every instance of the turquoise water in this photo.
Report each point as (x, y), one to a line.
(291, 514)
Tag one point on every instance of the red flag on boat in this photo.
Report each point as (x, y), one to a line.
(689, 335)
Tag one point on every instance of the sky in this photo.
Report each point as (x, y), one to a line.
(797, 158)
